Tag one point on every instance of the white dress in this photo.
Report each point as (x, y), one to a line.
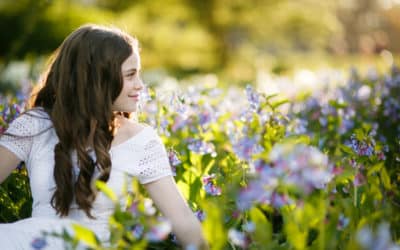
(142, 156)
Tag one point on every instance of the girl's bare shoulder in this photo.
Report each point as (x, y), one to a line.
(128, 128)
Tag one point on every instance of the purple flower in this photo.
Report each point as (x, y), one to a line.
(201, 147)
(255, 192)
(246, 147)
(137, 230)
(212, 189)
(238, 238)
(159, 232)
(134, 208)
(173, 160)
(209, 185)
(39, 243)
(149, 209)
(200, 214)
(300, 165)
(249, 227)
(279, 200)
(253, 98)
(173, 157)
(343, 222)
(145, 95)
(362, 147)
(179, 122)
(345, 126)
(297, 126)
(359, 179)
(246, 115)
(259, 165)
(381, 156)
(381, 240)
(164, 127)
(206, 115)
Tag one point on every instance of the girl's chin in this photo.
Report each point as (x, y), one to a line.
(126, 110)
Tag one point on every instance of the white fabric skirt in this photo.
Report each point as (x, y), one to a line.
(21, 234)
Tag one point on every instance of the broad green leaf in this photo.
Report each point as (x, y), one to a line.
(279, 103)
(106, 190)
(213, 226)
(375, 168)
(263, 230)
(296, 237)
(346, 149)
(85, 235)
(297, 139)
(385, 178)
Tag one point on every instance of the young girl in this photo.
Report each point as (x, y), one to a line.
(74, 134)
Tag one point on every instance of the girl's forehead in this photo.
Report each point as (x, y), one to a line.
(132, 62)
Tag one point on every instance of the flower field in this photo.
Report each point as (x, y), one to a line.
(310, 170)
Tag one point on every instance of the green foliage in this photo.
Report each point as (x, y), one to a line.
(232, 37)
(257, 181)
(38, 27)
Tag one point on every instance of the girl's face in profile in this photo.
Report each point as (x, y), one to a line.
(128, 99)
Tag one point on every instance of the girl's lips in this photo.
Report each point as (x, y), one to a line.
(136, 96)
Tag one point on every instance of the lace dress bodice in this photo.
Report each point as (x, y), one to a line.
(142, 156)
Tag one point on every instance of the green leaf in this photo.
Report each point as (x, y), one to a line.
(385, 178)
(296, 237)
(106, 190)
(279, 103)
(375, 168)
(346, 149)
(263, 231)
(297, 139)
(85, 235)
(213, 226)
(195, 189)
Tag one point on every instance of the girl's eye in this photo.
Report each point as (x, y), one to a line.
(130, 75)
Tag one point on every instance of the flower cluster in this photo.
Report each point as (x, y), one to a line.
(362, 147)
(209, 185)
(302, 166)
(379, 241)
(246, 147)
(173, 160)
(200, 214)
(8, 113)
(39, 243)
(253, 98)
(201, 147)
(159, 232)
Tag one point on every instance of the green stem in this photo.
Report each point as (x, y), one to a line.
(355, 196)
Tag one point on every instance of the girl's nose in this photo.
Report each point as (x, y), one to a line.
(139, 84)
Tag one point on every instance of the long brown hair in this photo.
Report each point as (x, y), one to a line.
(83, 80)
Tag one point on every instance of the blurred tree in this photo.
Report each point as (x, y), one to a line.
(370, 26)
(39, 26)
(170, 36)
(188, 36)
(392, 28)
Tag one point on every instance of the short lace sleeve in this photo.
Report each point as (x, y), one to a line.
(18, 138)
(153, 163)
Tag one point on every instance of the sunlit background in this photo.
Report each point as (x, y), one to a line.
(237, 41)
(316, 166)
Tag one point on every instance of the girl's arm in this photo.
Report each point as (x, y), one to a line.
(173, 206)
(8, 162)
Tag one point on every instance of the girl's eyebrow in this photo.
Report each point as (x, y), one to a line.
(130, 71)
